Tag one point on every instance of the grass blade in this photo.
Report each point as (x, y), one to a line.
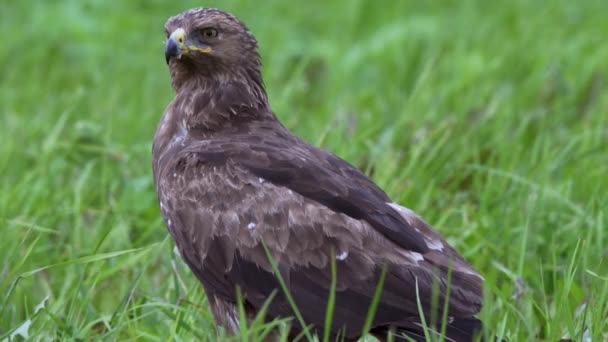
(371, 313)
(292, 303)
(329, 314)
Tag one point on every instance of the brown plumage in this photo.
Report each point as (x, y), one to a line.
(230, 176)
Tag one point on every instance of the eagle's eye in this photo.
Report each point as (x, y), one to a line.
(208, 33)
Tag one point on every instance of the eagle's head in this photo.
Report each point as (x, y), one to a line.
(212, 44)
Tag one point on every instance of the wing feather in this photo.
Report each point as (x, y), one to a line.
(318, 176)
(219, 214)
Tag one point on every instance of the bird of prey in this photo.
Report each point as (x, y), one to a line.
(237, 190)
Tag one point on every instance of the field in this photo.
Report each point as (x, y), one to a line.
(489, 119)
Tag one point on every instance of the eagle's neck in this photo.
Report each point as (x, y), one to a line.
(205, 107)
(209, 104)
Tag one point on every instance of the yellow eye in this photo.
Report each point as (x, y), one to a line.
(209, 33)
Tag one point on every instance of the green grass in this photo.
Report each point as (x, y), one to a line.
(490, 119)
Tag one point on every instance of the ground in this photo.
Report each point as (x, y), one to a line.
(487, 118)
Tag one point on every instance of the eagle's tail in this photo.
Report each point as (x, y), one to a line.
(458, 330)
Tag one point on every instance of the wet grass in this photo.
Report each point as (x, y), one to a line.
(490, 119)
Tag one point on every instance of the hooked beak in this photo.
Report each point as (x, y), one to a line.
(175, 45)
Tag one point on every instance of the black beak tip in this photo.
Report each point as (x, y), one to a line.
(171, 50)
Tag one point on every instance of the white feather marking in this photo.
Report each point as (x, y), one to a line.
(414, 256)
(407, 214)
(180, 136)
(163, 123)
(411, 218)
(174, 174)
(234, 324)
(169, 222)
(434, 244)
(342, 256)
(251, 225)
(261, 180)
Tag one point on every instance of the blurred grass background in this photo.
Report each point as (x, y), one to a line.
(490, 119)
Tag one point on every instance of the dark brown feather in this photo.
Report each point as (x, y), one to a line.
(230, 178)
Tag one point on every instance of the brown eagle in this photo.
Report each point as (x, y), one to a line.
(232, 181)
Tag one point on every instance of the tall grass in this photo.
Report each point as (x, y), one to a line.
(487, 118)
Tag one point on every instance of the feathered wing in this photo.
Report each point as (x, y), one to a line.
(221, 199)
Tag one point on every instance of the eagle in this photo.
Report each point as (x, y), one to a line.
(254, 208)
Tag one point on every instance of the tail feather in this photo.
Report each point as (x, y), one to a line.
(458, 330)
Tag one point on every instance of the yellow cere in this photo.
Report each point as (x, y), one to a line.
(179, 35)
